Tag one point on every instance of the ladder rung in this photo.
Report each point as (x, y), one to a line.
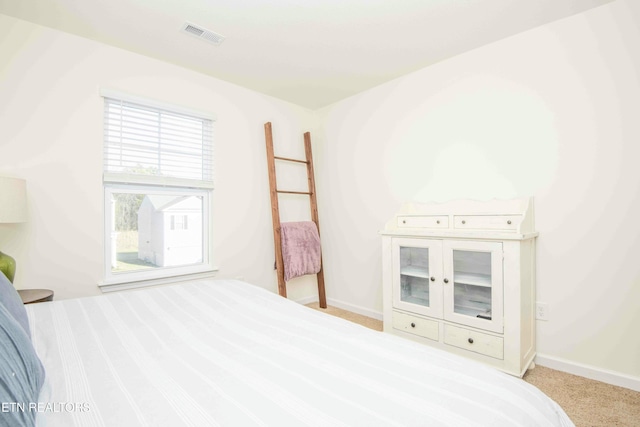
(294, 192)
(290, 160)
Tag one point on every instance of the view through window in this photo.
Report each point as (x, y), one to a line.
(156, 230)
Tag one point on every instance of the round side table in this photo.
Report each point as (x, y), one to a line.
(31, 296)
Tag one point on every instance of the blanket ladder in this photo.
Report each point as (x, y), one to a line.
(275, 210)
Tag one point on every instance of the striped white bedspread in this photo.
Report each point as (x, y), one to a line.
(226, 353)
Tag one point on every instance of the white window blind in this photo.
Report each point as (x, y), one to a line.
(150, 145)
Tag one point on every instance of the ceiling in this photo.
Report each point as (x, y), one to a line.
(309, 52)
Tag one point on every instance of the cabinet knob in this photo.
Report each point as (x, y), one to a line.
(509, 222)
(404, 221)
(433, 279)
(470, 340)
(446, 280)
(438, 222)
(464, 222)
(413, 325)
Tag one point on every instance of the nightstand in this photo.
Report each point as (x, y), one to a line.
(31, 296)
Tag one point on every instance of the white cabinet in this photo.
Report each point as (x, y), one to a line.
(461, 276)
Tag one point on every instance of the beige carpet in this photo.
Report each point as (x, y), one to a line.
(588, 403)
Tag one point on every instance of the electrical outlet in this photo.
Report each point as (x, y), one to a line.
(542, 311)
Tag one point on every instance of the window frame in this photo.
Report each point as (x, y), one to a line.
(117, 183)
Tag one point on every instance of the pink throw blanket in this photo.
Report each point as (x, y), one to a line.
(300, 248)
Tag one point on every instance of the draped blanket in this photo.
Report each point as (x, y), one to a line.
(300, 249)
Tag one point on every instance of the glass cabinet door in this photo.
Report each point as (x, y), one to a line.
(473, 284)
(414, 275)
(417, 270)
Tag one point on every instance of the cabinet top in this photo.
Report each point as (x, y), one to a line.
(498, 219)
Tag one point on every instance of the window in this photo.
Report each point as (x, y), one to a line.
(158, 181)
(179, 222)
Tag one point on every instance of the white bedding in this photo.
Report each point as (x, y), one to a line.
(228, 353)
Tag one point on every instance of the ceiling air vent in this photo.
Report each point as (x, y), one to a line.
(203, 34)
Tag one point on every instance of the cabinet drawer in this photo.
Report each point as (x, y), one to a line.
(423, 221)
(487, 222)
(478, 342)
(416, 325)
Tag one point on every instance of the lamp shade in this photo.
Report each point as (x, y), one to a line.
(13, 200)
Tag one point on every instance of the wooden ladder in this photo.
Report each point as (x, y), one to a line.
(275, 210)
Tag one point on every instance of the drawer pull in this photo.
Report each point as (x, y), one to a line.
(413, 325)
(438, 222)
(509, 222)
(404, 221)
(464, 222)
(433, 279)
(446, 280)
(470, 340)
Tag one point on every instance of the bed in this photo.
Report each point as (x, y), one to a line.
(228, 353)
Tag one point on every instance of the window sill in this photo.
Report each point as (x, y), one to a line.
(115, 284)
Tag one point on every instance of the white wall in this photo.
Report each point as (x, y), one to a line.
(552, 113)
(51, 135)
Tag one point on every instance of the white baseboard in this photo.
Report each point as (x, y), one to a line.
(354, 308)
(591, 372)
(344, 306)
(307, 300)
